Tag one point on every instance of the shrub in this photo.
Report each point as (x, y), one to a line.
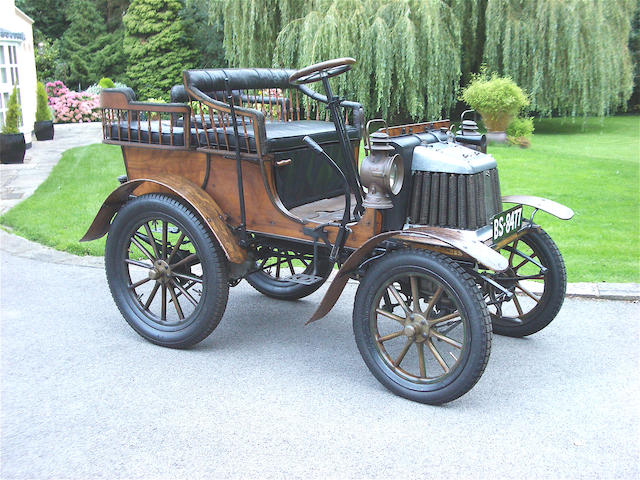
(497, 99)
(520, 127)
(12, 116)
(95, 89)
(72, 107)
(106, 83)
(43, 112)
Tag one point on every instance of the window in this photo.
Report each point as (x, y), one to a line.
(8, 76)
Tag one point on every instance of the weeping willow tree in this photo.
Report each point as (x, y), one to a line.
(252, 26)
(572, 56)
(408, 52)
(471, 15)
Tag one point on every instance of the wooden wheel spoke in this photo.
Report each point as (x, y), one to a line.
(516, 302)
(293, 272)
(398, 298)
(513, 250)
(137, 243)
(390, 336)
(437, 356)
(415, 293)
(193, 301)
(176, 303)
(187, 260)
(404, 351)
(139, 282)
(527, 293)
(138, 263)
(390, 315)
(446, 339)
(444, 318)
(421, 363)
(434, 299)
(187, 277)
(165, 234)
(163, 315)
(151, 239)
(151, 296)
(176, 247)
(278, 267)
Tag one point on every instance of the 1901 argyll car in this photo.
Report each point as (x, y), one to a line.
(244, 176)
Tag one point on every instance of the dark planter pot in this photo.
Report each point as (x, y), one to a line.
(43, 130)
(12, 148)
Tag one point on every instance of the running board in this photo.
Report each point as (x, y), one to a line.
(303, 279)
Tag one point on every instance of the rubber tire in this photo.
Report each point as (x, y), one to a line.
(215, 290)
(282, 290)
(450, 274)
(555, 288)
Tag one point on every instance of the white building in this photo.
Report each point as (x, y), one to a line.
(17, 64)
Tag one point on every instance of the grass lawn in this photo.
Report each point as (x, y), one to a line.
(593, 167)
(62, 208)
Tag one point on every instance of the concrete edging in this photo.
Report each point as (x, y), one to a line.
(24, 248)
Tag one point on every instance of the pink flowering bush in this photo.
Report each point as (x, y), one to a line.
(72, 107)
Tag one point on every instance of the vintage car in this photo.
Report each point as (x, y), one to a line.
(250, 174)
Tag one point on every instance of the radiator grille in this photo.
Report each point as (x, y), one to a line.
(461, 201)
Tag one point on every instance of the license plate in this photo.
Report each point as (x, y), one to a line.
(506, 223)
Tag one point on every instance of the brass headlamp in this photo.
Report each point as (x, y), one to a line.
(381, 172)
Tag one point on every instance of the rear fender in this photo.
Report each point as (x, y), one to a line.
(192, 194)
(425, 237)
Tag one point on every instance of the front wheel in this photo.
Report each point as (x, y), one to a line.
(421, 326)
(167, 274)
(537, 280)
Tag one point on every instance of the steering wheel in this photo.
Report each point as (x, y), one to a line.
(316, 72)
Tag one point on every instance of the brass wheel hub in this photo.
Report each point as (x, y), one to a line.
(161, 271)
(417, 327)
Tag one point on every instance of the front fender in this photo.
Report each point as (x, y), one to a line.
(462, 240)
(554, 208)
(188, 191)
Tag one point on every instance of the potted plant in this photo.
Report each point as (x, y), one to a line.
(12, 146)
(497, 100)
(43, 126)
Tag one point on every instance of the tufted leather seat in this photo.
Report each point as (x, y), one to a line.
(140, 133)
(281, 136)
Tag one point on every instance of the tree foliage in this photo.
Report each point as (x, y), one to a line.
(78, 45)
(207, 33)
(572, 56)
(48, 16)
(157, 46)
(408, 51)
(634, 47)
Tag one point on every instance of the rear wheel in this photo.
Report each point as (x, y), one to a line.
(166, 273)
(276, 265)
(421, 326)
(537, 279)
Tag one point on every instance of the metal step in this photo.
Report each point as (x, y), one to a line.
(302, 278)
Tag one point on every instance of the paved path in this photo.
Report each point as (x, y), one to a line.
(18, 181)
(83, 396)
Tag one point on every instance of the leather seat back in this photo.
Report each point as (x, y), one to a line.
(213, 80)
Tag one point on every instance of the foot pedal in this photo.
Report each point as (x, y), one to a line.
(303, 278)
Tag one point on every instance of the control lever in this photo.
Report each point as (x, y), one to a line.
(342, 232)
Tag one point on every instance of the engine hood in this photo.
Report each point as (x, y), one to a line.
(450, 158)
